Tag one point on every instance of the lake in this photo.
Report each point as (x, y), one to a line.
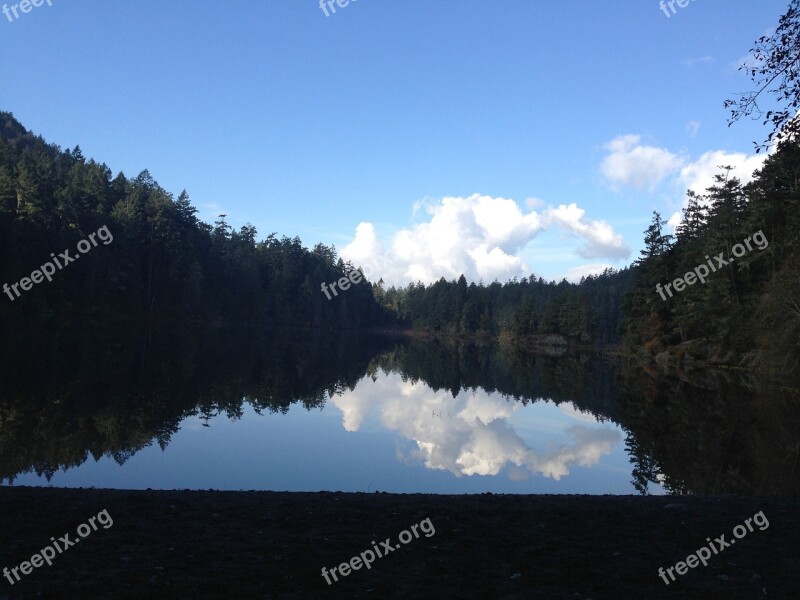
(89, 404)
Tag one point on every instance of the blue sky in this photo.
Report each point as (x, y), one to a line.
(421, 138)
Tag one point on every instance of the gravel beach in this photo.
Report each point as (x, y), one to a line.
(209, 544)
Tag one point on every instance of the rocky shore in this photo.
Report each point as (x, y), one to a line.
(208, 544)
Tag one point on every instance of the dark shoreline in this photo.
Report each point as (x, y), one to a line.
(209, 544)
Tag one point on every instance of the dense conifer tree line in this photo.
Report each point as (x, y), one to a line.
(747, 308)
(163, 261)
(590, 312)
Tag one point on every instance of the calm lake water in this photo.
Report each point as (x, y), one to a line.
(224, 408)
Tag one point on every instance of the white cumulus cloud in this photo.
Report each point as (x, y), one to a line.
(480, 236)
(632, 164)
(600, 239)
(698, 175)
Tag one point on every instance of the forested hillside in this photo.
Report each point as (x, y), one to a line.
(163, 261)
(747, 310)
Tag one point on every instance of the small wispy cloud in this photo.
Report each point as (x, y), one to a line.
(534, 203)
(574, 274)
(690, 62)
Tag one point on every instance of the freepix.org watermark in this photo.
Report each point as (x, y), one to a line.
(325, 5)
(48, 269)
(24, 7)
(704, 553)
(701, 272)
(343, 283)
(48, 553)
(366, 558)
(355, 276)
(671, 3)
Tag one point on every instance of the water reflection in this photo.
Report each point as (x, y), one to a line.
(471, 433)
(471, 413)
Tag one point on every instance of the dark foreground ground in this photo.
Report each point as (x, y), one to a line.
(274, 545)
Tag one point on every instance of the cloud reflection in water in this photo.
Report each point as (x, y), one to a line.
(472, 433)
